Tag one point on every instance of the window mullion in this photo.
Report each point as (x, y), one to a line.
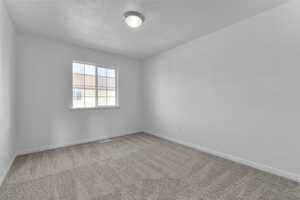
(84, 87)
(106, 88)
(96, 68)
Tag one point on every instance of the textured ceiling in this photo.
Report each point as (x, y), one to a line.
(98, 23)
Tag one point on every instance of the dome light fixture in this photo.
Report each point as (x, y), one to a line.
(134, 19)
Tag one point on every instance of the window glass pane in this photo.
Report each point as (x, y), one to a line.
(78, 102)
(111, 72)
(89, 92)
(90, 70)
(102, 71)
(111, 101)
(78, 80)
(90, 81)
(111, 83)
(102, 82)
(90, 101)
(78, 93)
(78, 68)
(111, 93)
(90, 76)
(102, 93)
(102, 101)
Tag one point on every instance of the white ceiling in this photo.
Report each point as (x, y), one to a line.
(98, 23)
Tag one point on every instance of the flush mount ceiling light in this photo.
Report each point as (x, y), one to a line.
(134, 19)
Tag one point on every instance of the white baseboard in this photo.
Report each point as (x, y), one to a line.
(55, 146)
(4, 174)
(262, 167)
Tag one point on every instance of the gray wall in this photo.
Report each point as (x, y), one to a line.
(44, 89)
(235, 91)
(7, 58)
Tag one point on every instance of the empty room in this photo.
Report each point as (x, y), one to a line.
(149, 100)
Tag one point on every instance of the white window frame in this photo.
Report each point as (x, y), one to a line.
(117, 105)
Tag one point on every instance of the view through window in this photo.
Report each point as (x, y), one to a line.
(93, 86)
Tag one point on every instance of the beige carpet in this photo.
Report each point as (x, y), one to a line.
(138, 167)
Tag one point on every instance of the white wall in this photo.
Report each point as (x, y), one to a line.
(236, 91)
(44, 90)
(7, 57)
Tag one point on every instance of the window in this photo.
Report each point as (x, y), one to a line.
(94, 86)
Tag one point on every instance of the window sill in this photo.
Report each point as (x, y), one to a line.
(96, 108)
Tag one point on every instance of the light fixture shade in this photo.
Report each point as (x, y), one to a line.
(134, 19)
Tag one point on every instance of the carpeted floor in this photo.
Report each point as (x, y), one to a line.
(138, 167)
